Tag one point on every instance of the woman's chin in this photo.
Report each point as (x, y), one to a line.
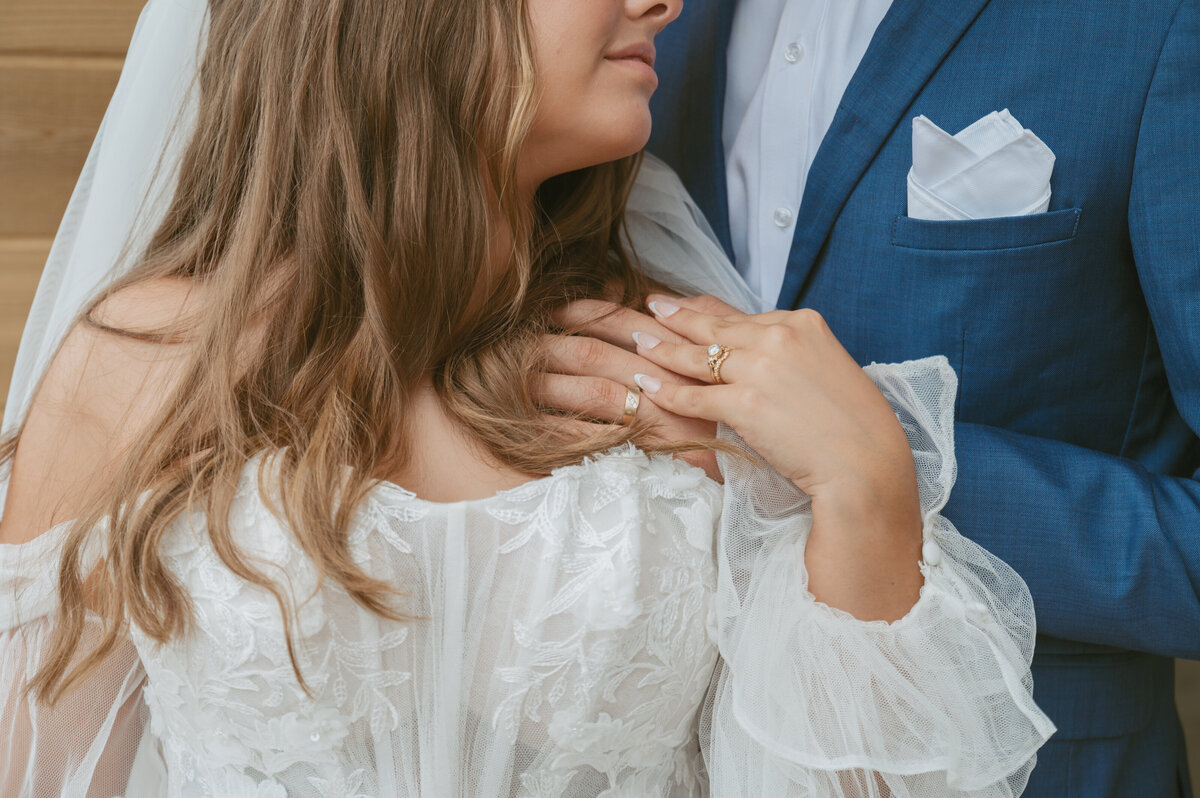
(620, 142)
(606, 141)
(637, 131)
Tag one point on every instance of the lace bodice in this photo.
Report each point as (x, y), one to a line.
(623, 627)
(563, 647)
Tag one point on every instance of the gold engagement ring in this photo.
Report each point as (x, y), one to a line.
(717, 355)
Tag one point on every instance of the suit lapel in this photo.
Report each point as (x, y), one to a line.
(911, 42)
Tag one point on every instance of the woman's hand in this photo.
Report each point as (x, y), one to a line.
(590, 372)
(801, 401)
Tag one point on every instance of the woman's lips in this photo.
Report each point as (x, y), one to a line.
(643, 51)
(639, 57)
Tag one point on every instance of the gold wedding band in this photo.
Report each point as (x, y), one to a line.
(717, 355)
(633, 399)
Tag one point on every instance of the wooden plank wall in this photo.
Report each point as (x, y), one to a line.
(59, 63)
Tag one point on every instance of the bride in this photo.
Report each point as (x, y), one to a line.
(287, 509)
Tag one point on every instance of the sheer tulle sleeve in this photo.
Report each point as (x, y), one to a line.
(813, 702)
(85, 746)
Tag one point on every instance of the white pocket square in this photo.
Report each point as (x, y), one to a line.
(991, 169)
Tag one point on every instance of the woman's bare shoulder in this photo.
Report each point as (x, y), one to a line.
(106, 383)
(151, 305)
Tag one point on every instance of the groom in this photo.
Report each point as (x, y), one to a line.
(1075, 331)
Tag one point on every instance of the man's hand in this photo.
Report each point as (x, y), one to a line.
(590, 372)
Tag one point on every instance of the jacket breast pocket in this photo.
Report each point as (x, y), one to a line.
(986, 235)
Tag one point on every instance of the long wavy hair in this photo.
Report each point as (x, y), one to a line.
(336, 198)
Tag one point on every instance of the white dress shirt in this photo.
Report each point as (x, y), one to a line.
(789, 62)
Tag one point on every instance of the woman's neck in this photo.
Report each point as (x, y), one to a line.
(446, 465)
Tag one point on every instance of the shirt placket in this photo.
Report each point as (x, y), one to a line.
(785, 133)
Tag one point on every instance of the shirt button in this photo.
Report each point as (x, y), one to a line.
(931, 553)
(783, 216)
(793, 52)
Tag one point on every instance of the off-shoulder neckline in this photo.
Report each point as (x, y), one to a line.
(523, 492)
(34, 544)
(533, 487)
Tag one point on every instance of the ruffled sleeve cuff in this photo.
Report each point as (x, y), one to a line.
(938, 703)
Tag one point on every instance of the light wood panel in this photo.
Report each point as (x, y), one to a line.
(72, 27)
(50, 109)
(21, 263)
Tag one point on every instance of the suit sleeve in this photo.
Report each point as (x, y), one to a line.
(1111, 552)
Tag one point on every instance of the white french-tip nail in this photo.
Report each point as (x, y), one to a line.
(648, 384)
(663, 309)
(645, 340)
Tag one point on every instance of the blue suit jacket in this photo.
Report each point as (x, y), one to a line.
(1075, 333)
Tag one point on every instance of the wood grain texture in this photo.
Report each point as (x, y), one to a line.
(50, 109)
(71, 27)
(21, 262)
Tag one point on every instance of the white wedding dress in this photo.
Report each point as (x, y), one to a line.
(623, 627)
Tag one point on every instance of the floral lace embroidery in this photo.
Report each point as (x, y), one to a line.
(609, 664)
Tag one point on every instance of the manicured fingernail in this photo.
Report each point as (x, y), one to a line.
(648, 384)
(663, 309)
(645, 340)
